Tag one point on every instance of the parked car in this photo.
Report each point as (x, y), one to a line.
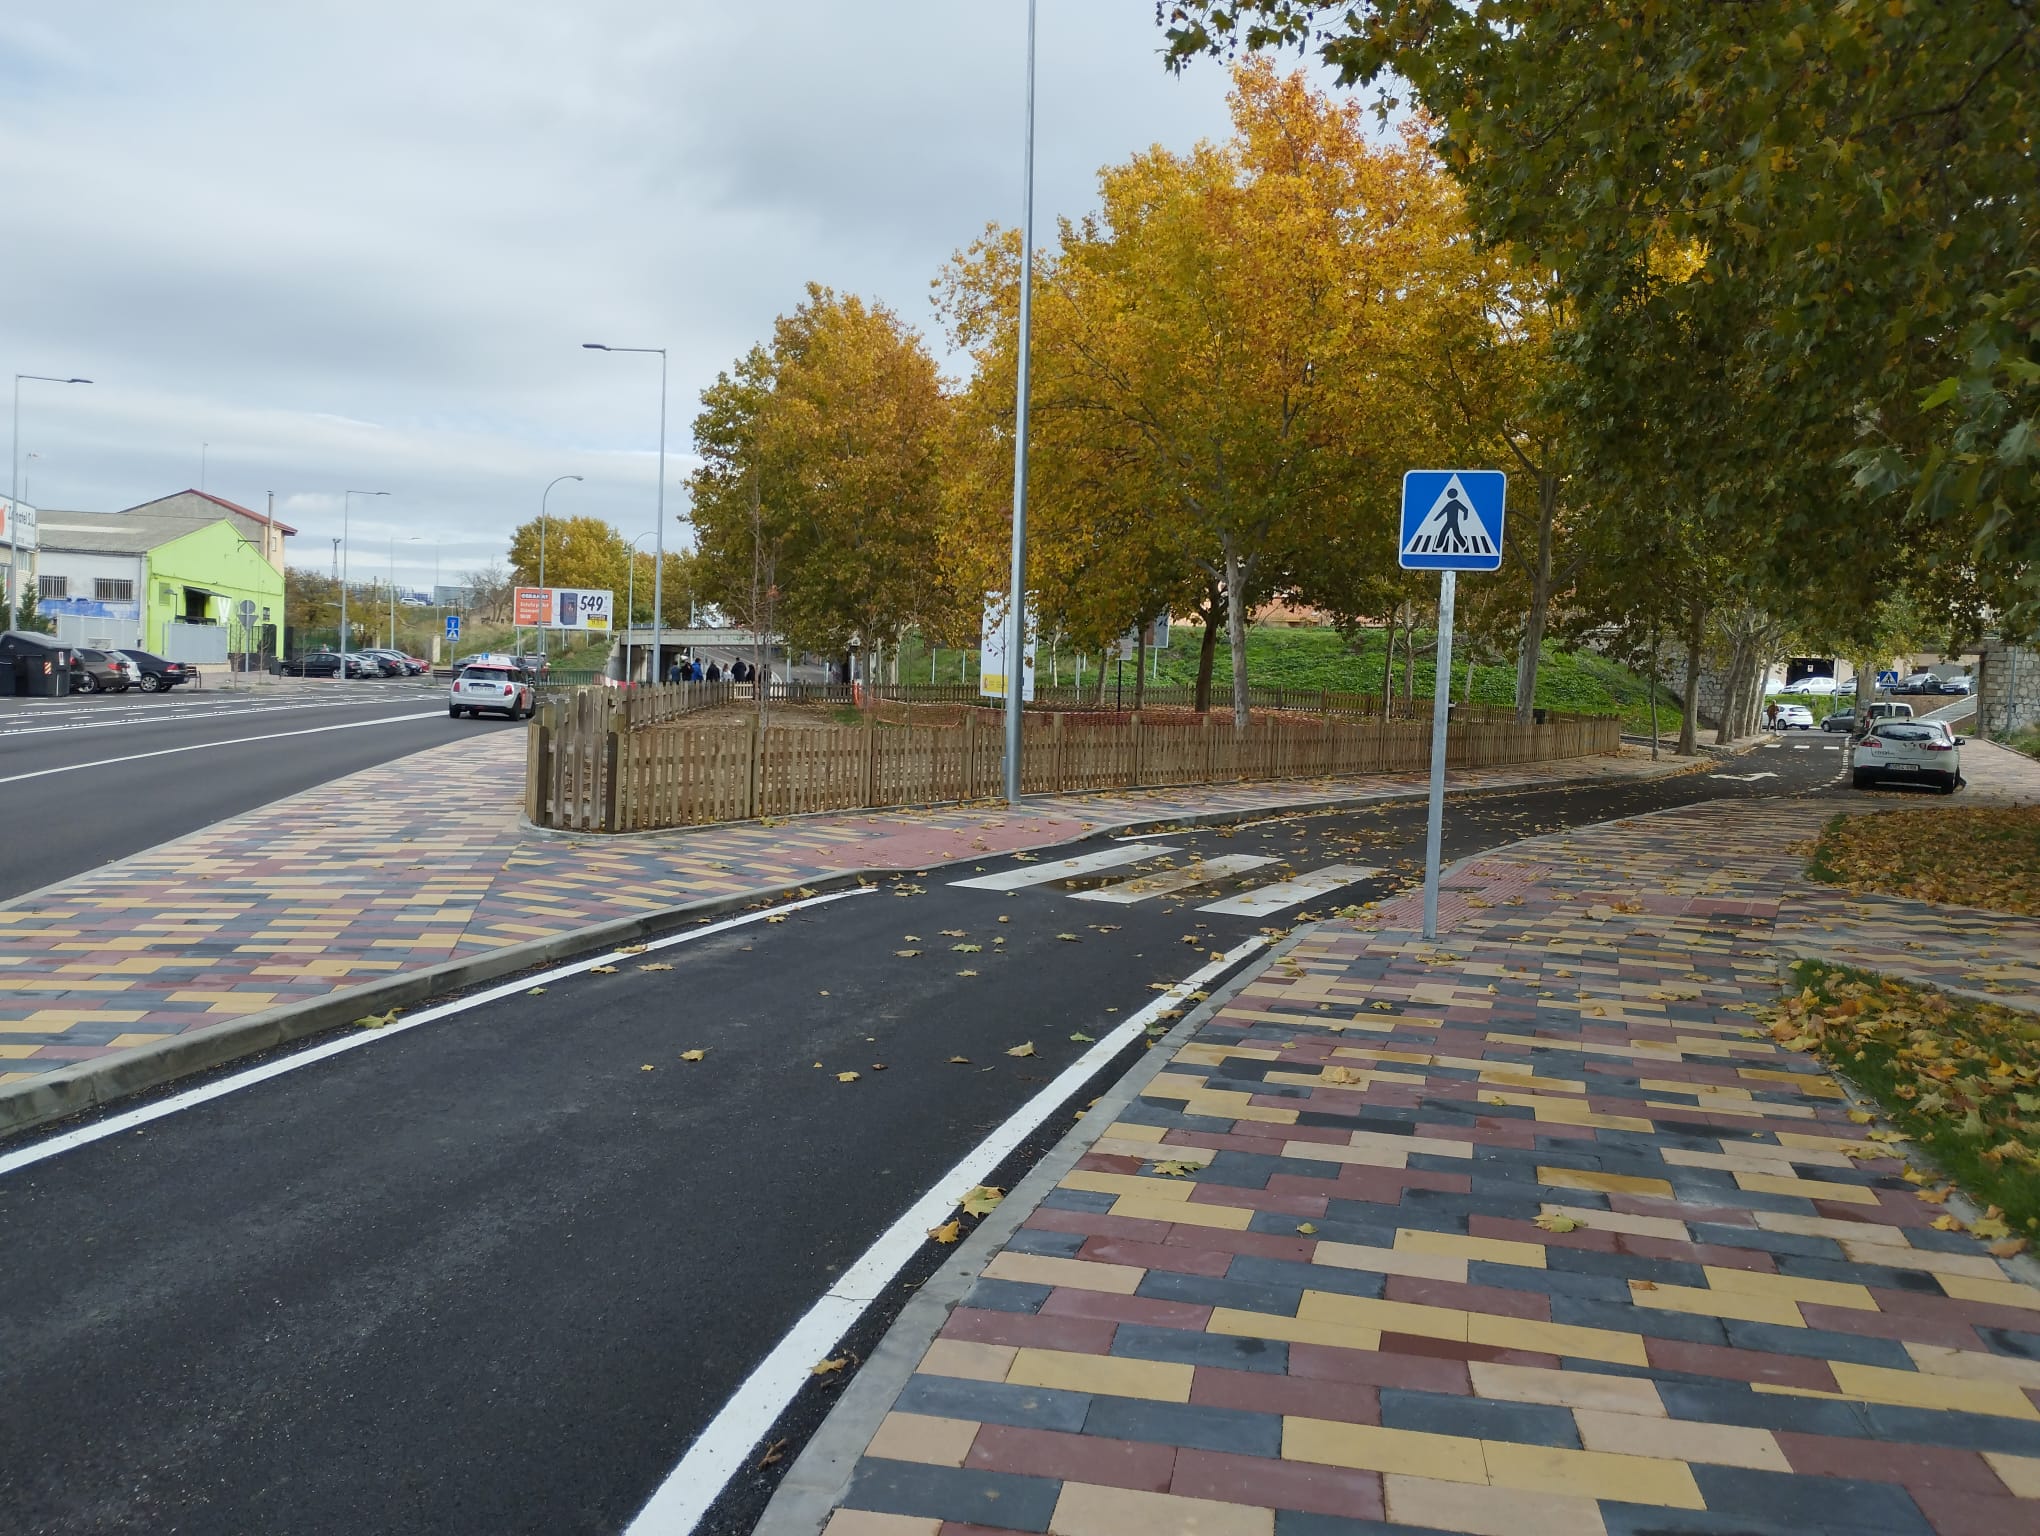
(326, 664)
(1961, 683)
(95, 672)
(1792, 717)
(494, 685)
(127, 666)
(1845, 719)
(1910, 751)
(535, 666)
(158, 674)
(404, 666)
(1814, 687)
(381, 663)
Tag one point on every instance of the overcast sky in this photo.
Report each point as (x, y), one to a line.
(358, 245)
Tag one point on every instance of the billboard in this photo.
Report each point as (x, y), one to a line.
(581, 608)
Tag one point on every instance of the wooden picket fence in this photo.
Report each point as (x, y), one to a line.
(608, 760)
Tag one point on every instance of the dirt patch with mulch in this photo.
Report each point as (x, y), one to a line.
(1983, 857)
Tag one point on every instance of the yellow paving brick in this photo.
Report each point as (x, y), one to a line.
(2021, 1474)
(921, 1437)
(1973, 1365)
(1127, 1184)
(1488, 1250)
(1361, 1157)
(1236, 1323)
(1824, 1293)
(1383, 1316)
(1997, 1293)
(123, 1042)
(1603, 1183)
(1900, 1255)
(1620, 1221)
(1753, 1159)
(1915, 1389)
(1076, 1274)
(1721, 1445)
(1625, 1395)
(1477, 1510)
(1108, 1375)
(863, 1522)
(1230, 1218)
(972, 1362)
(1391, 1261)
(1810, 1189)
(1370, 1448)
(1592, 1474)
(1118, 1146)
(1126, 1130)
(17, 1052)
(1085, 1509)
(1557, 1339)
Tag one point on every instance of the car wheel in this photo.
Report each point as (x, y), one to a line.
(151, 683)
(85, 683)
(1864, 778)
(1947, 785)
(453, 711)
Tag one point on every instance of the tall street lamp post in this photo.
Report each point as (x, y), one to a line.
(1016, 606)
(541, 547)
(14, 483)
(630, 611)
(659, 544)
(346, 554)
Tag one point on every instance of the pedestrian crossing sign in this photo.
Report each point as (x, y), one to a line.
(1452, 519)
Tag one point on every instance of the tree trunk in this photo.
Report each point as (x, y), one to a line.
(1540, 602)
(1238, 573)
(1140, 668)
(1207, 655)
(1689, 722)
(1409, 653)
(1736, 682)
(1653, 689)
(1388, 664)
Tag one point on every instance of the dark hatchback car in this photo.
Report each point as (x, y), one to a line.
(96, 672)
(324, 664)
(158, 674)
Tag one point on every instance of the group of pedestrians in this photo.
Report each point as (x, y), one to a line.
(692, 669)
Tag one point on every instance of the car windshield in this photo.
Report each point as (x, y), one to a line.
(488, 674)
(1907, 733)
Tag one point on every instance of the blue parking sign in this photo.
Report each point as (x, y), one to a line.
(1452, 519)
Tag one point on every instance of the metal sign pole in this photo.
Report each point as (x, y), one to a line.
(1441, 712)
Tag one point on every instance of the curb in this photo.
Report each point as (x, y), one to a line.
(820, 1475)
(90, 1085)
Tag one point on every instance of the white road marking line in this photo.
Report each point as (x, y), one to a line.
(1802, 746)
(212, 746)
(1064, 869)
(193, 1097)
(1290, 893)
(1141, 887)
(725, 1445)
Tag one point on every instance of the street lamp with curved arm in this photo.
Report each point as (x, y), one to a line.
(659, 548)
(541, 545)
(14, 484)
(630, 608)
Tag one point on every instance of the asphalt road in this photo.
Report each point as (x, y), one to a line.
(87, 780)
(497, 1272)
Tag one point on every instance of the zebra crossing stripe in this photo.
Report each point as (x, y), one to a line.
(1126, 892)
(1290, 893)
(1064, 869)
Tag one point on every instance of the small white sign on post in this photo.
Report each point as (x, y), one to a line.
(992, 650)
(1451, 522)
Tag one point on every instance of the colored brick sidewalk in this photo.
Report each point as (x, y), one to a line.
(423, 861)
(1530, 1231)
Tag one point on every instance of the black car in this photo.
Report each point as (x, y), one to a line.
(324, 664)
(385, 663)
(96, 672)
(159, 675)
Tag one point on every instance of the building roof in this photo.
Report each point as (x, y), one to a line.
(166, 503)
(117, 533)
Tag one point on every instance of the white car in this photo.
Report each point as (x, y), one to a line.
(1910, 752)
(1793, 717)
(1817, 686)
(497, 686)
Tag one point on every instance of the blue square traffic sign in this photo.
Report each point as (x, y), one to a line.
(453, 626)
(1452, 519)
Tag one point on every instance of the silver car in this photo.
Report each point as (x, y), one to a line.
(1910, 752)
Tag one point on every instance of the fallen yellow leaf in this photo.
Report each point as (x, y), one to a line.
(981, 1200)
(1022, 1050)
(846, 1077)
(948, 1232)
(694, 1055)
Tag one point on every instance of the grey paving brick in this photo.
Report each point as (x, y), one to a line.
(1917, 1281)
(1206, 1291)
(1290, 1523)
(1649, 1321)
(1818, 1344)
(1005, 1499)
(1656, 1520)
(1724, 1402)
(1376, 1233)
(1625, 1266)
(1256, 1270)
(1549, 1282)
(1060, 1245)
(2012, 1341)
(1079, 1200)
(1817, 1503)
(1440, 1413)
(1225, 1351)
(1972, 1431)
(1006, 1296)
(994, 1402)
(1721, 1235)
(1186, 1424)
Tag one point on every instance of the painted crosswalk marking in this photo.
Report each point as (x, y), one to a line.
(1162, 882)
(1065, 869)
(1290, 893)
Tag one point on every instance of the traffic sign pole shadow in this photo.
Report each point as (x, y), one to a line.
(1451, 522)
